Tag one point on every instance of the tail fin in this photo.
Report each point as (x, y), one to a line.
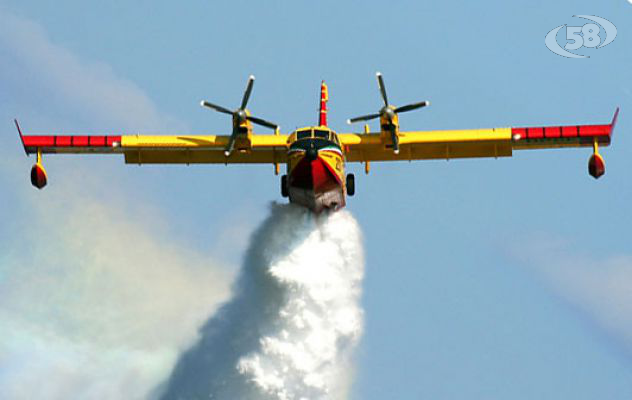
(324, 96)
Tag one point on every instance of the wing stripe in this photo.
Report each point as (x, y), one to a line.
(571, 135)
(59, 143)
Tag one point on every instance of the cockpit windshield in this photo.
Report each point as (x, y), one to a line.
(321, 134)
(303, 134)
(318, 134)
(334, 138)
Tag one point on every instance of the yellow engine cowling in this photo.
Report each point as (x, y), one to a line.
(389, 130)
(243, 139)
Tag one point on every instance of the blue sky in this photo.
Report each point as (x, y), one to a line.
(489, 279)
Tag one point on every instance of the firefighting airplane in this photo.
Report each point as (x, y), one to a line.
(316, 155)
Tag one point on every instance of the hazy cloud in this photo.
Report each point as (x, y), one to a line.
(600, 286)
(51, 79)
(97, 298)
(97, 302)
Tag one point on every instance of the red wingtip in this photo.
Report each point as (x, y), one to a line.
(614, 122)
(614, 118)
(17, 125)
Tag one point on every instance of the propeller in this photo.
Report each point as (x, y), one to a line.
(389, 111)
(240, 115)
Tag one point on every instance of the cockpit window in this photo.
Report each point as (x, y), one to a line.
(321, 134)
(303, 134)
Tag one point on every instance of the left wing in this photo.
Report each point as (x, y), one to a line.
(495, 142)
(427, 145)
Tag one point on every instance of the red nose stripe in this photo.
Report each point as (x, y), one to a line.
(314, 175)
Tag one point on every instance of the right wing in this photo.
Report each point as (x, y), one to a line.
(147, 149)
(208, 149)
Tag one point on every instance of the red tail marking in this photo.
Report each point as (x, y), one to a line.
(324, 96)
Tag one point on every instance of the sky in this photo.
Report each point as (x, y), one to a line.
(494, 279)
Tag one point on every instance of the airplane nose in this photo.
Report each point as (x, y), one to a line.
(311, 154)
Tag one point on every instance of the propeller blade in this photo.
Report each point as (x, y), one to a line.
(380, 83)
(395, 140)
(363, 118)
(231, 144)
(244, 100)
(215, 107)
(411, 107)
(262, 122)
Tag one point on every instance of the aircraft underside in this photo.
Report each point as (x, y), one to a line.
(316, 201)
(313, 185)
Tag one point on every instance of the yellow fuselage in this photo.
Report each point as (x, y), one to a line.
(315, 169)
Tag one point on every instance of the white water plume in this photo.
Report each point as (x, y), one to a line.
(294, 319)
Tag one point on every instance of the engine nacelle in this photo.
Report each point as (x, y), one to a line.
(596, 166)
(38, 176)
